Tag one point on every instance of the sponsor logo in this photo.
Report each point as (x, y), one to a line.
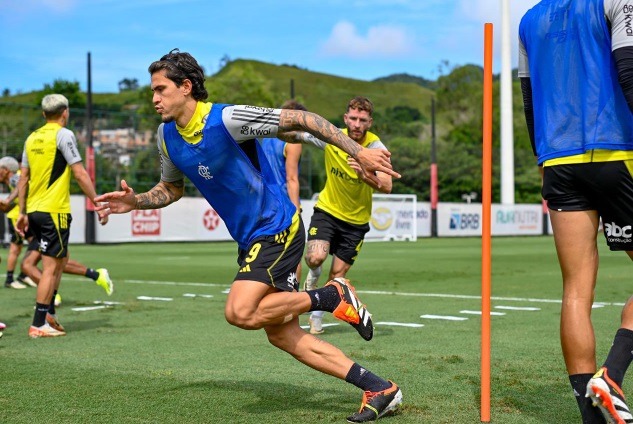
(345, 176)
(381, 218)
(146, 222)
(247, 268)
(43, 246)
(203, 171)
(261, 109)
(464, 221)
(292, 280)
(617, 234)
(246, 130)
(313, 231)
(211, 219)
(628, 17)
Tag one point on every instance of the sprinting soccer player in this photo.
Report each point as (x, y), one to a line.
(50, 156)
(214, 146)
(576, 70)
(343, 209)
(9, 175)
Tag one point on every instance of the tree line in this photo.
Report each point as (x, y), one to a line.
(405, 129)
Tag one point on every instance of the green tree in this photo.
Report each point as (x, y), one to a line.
(128, 84)
(243, 86)
(72, 91)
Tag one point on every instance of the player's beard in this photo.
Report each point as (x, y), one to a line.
(352, 135)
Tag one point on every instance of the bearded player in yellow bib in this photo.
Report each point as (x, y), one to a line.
(343, 209)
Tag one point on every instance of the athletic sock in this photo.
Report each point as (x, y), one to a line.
(22, 276)
(9, 279)
(590, 414)
(620, 355)
(51, 307)
(91, 273)
(39, 317)
(365, 380)
(324, 299)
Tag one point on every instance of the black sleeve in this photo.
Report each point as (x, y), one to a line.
(526, 90)
(624, 64)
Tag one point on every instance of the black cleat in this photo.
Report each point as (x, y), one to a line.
(377, 404)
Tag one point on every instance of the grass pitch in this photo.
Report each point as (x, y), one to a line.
(178, 361)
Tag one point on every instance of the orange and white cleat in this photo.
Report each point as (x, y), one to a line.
(44, 331)
(350, 309)
(608, 396)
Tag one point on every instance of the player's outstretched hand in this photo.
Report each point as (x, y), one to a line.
(117, 201)
(375, 160)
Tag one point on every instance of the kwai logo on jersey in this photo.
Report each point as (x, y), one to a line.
(618, 234)
(255, 132)
(203, 171)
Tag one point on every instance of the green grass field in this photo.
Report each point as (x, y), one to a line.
(178, 361)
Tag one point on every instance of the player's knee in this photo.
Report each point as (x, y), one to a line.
(240, 319)
(313, 260)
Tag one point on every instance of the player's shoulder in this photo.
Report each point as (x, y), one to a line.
(372, 141)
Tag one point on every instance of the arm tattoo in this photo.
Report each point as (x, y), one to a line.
(298, 120)
(161, 195)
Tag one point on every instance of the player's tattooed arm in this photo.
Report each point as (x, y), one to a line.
(162, 194)
(291, 121)
(370, 160)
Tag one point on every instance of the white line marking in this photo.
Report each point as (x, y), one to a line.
(307, 327)
(463, 296)
(197, 295)
(400, 324)
(107, 302)
(378, 292)
(446, 317)
(479, 312)
(518, 308)
(90, 308)
(164, 299)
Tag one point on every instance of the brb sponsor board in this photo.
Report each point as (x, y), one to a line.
(458, 219)
(465, 219)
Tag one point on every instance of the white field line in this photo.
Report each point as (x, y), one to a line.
(446, 317)
(468, 312)
(370, 292)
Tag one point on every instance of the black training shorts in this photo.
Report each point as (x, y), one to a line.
(51, 231)
(274, 259)
(606, 187)
(345, 239)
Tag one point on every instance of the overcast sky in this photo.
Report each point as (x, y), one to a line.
(45, 40)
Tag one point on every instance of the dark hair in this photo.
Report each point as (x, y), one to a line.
(181, 66)
(361, 103)
(293, 104)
